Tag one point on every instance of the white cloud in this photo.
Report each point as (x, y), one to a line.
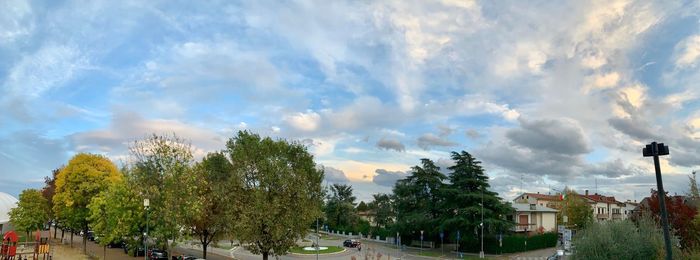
(307, 122)
(49, 67)
(688, 52)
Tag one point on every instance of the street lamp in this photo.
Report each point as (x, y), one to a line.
(655, 150)
(146, 205)
(317, 238)
(481, 253)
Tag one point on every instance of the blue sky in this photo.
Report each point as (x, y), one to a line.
(547, 94)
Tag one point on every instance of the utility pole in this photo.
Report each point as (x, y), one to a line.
(146, 205)
(655, 150)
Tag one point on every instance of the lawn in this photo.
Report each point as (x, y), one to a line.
(327, 237)
(430, 253)
(331, 249)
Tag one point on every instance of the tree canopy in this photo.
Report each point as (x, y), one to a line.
(281, 193)
(85, 176)
(32, 211)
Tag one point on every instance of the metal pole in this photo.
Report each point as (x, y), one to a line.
(481, 254)
(662, 203)
(145, 240)
(317, 239)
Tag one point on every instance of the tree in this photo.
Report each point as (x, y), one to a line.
(577, 209)
(48, 191)
(468, 188)
(160, 163)
(281, 194)
(680, 217)
(611, 240)
(383, 210)
(117, 213)
(340, 207)
(362, 206)
(418, 199)
(210, 211)
(85, 176)
(31, 213)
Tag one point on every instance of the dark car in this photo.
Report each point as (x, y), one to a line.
(184, 257)
(351, 243)
(116, 244)
(134, 250)
(90, 236)
(157, 254)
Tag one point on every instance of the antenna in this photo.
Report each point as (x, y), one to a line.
(596, 185)
(521, 182)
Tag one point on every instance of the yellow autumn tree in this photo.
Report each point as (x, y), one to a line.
(85, 176)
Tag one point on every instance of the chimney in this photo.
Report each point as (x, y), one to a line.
(586, 192)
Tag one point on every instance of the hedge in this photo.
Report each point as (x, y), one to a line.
(511, 243)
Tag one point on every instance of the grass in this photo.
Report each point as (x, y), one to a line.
(430, 253)
(329, 237)
(331, 249)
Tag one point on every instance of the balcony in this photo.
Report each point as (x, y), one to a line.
(523, 227)
(616, 216)
(602, 216)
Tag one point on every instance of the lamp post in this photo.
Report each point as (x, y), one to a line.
(655, 150)
(421, 242)
(146, 205)
(481, 253)
(317, 238)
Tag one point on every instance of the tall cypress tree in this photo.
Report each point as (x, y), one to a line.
(464, 194)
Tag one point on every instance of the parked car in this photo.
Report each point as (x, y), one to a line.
(116, 244)
(90, 236)
(351, 243)
(157, 254)
(134, 250)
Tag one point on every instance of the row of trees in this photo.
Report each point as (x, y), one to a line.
(427, 200)
(263, 192)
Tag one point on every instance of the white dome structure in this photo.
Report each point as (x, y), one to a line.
(7, 202)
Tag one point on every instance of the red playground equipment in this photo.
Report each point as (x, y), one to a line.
(12, 249)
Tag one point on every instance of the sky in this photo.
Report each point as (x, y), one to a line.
(546, 94)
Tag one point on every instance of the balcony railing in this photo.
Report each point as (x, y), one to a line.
(602, 216)
(523, 227)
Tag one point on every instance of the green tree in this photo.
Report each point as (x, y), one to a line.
(211, 204)
(281, 194)
(340, 207)
(383, 210)
(31, 213)
(612, 240)
(418, 199)
(117, 214)
(362, 206)
(468, 188)
(160, 163)
(577, 210)
(85, 176)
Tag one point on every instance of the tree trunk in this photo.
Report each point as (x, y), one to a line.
(264, 255)
(104, 252)
(71, 239)
(55, 230)
(63, 233)
(85, 234)
(204, 250)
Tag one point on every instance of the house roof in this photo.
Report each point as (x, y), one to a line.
(525, 207)
(600, 198)
(543, 196)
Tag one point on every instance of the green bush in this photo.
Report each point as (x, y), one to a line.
(622, 240)
(510, 243)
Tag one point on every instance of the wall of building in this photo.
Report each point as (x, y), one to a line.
(549, 221)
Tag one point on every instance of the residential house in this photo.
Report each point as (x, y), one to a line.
(604, 207)
(533, 218)
(628, 210)
(367, 215)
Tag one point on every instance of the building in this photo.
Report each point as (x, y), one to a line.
(533, 218)
(544, 200)
(629, 209)
(7, 202)
(368, 215)
(604, 207)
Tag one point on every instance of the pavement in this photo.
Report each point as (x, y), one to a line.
(369, 249)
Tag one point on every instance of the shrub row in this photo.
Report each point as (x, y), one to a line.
(510, 243)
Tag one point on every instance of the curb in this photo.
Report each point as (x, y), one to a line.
(334, 253)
